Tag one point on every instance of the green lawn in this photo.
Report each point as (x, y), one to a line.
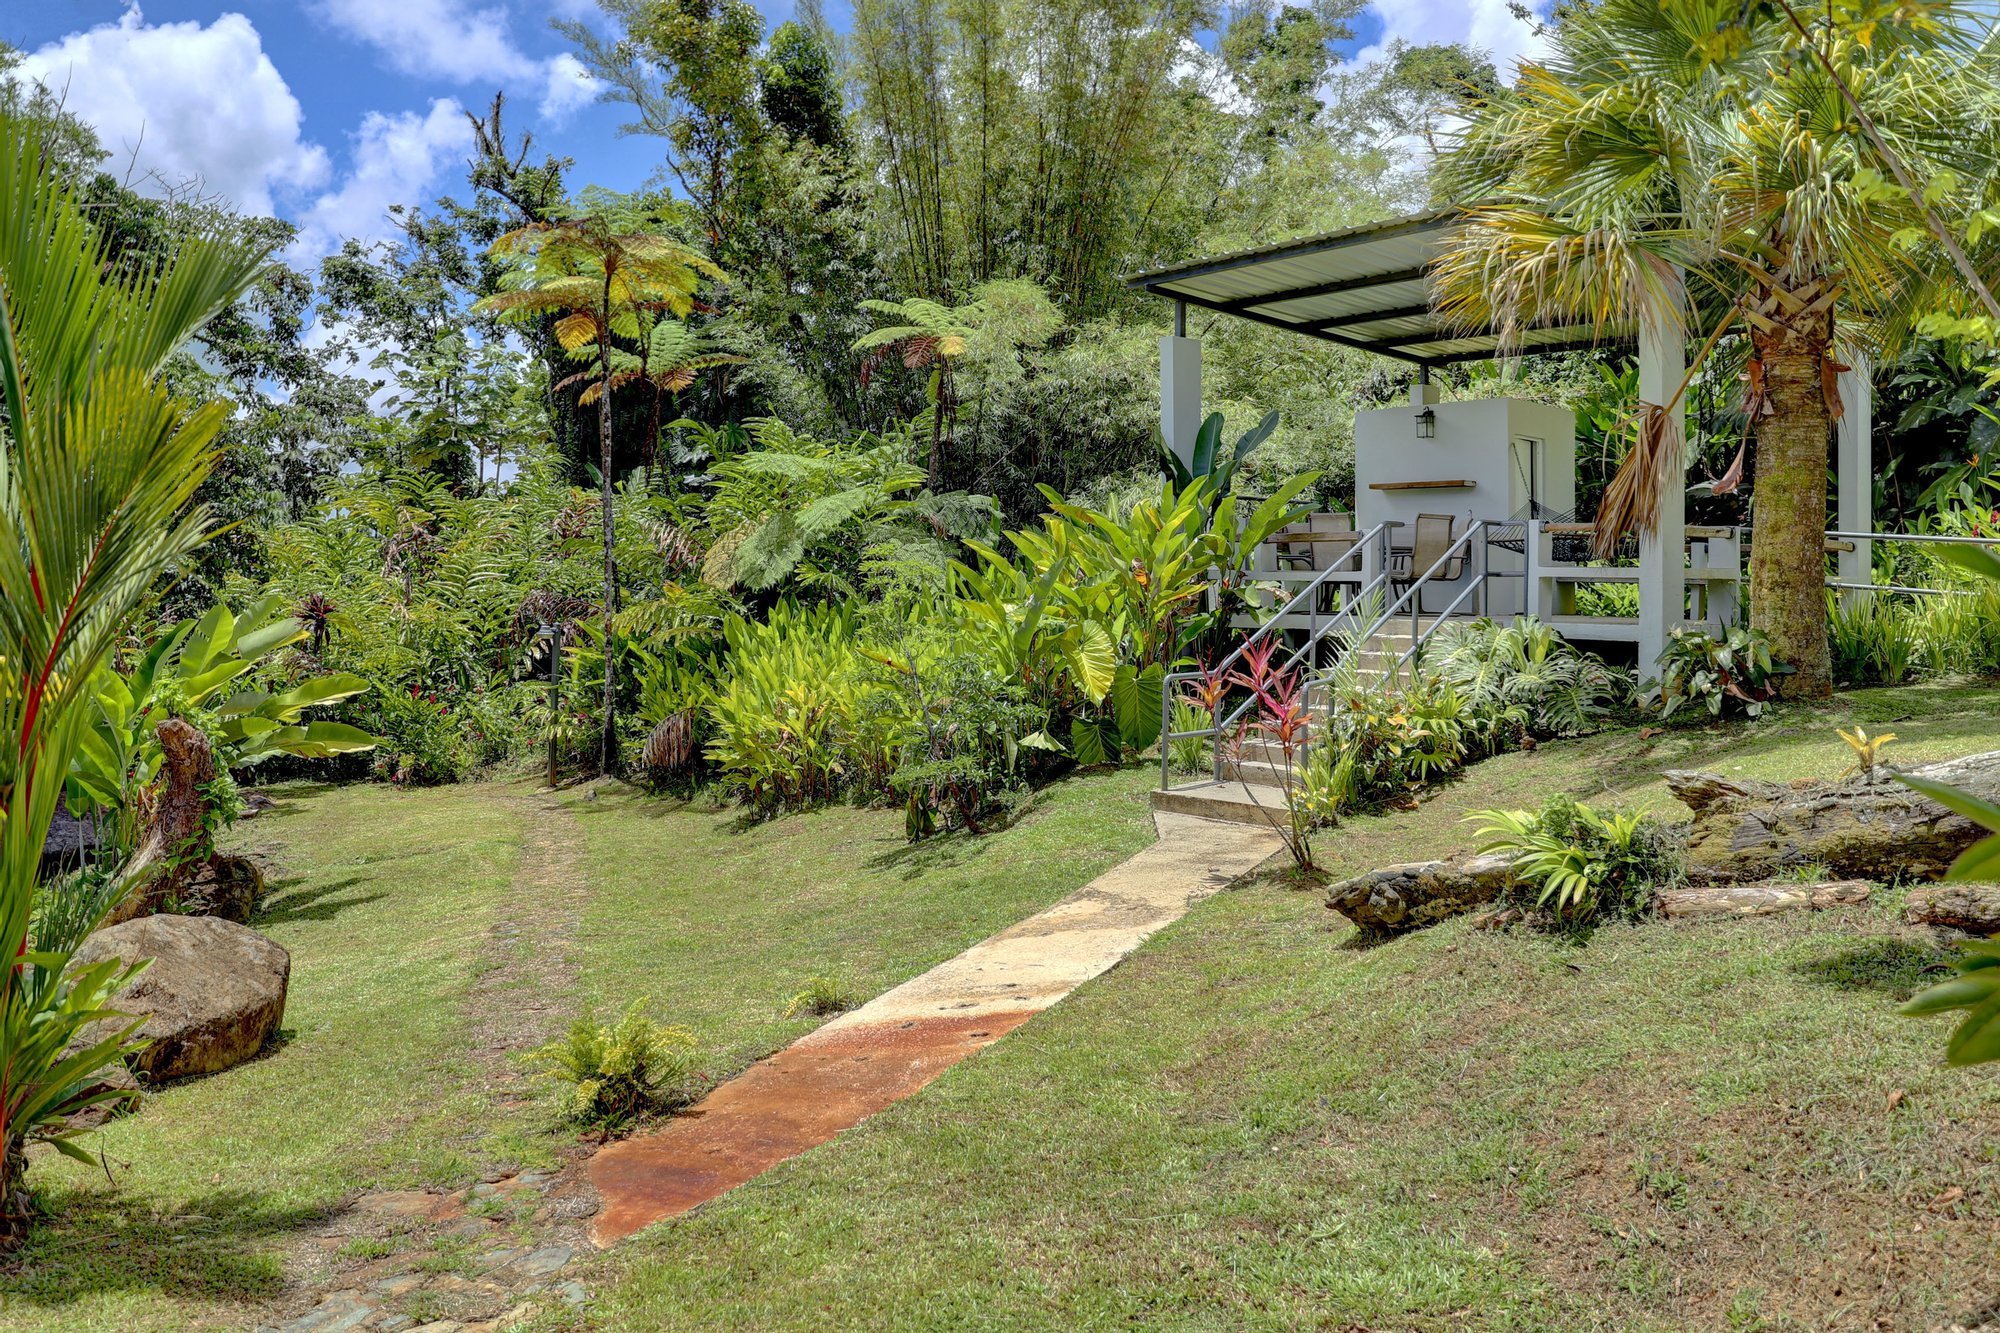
(1250, 1124)
(403, 912)
(1254, 1125)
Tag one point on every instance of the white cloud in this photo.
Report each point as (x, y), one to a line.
(442, 37)
(459, 41)
(1489, 25)
(396, 160)
(569, 87)
(179, 102)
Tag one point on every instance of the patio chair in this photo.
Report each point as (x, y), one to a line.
(1433, 537)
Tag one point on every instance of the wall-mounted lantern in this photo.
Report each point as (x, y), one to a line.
(1427, 424)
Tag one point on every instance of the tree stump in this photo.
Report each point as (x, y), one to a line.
(1871, 828)
(175, 840)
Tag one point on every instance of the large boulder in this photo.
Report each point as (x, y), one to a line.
(214, 993)
(1419, 893)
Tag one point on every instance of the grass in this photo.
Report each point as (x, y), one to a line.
(1251, 1124)
(391, 902)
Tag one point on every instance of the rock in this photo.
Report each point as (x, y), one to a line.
(1729, 900)
(224, 886)
(1863, 828)
(214, 993)
(1419, 893)
(1973, 908)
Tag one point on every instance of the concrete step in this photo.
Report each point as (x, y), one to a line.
(1232, 802)
(1263, 771)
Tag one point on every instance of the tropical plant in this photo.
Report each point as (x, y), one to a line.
(1714, 139)
(1283, 725)
(1873, 638)
(1525, 665)
(618, 1071)
(1735, 670)
(791, 497)
(1976, 989)
(1209, 461)
(1581, 866)
(97, 468)
(185, 673)
(1867, 749)
(964, 741)
(671, 354)
(1383, 740)
(600, 283)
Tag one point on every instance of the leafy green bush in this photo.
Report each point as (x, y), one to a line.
(799, 718)
(1581, 866)
(1525, 669)
(618, 1071)
(423, 742)
(966, 726)
(822, 997)
(1874, 639)
(1960, 635)
(1381, 741)
(1733, 672)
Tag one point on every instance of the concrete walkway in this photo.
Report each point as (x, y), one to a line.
(868, 1058)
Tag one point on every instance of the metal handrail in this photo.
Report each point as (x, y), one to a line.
(1317, 634)
(1415, 592)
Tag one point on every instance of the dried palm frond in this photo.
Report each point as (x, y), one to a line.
(670, 745)
(1649, 474)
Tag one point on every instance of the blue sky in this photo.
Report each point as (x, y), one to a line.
(327, 111)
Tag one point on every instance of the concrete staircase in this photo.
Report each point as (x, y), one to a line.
(1252, 790)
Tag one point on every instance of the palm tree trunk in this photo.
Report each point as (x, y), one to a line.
(607, 746)
(1787, 549)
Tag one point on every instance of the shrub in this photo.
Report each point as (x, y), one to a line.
(1382, 741)
(1581, 866)
(823, 996)
(1960, 635)
(1874, 639)
(963, 742)
(422, 742)
(797, 720)
(1526, 667)
(1734, 671)
(617, 1071)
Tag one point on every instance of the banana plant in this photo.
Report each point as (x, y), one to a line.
(1211, 461)
(188, 670)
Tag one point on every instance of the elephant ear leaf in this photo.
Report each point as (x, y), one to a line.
(1093, 741)
(1092, 660)
(1136, 701)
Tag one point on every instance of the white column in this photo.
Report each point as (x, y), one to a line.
(1663, 552)
(1854, 470)
(1180, 389)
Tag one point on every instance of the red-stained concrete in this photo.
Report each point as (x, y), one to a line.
(779, 1107)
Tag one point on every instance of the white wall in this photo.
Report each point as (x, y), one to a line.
(1487, 442)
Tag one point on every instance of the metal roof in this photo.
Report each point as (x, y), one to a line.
(1364, 287)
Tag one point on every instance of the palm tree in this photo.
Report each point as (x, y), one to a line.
(98, 464)
(1663, 137)
(600, 283)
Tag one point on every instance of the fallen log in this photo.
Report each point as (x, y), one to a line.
(1420, 893)
(1734, 900)
(1973, 908)
(1871, 828)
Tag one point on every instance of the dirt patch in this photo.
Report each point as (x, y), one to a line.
(525, 976)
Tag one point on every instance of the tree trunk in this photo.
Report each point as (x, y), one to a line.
(1861, 829)
(1420, 893)
(1788, 539)
(607, 748)
(1734, 900)
(176, 837)
(1973, 908)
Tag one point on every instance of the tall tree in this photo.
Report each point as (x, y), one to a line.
(601, 283)
(1697, 135)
